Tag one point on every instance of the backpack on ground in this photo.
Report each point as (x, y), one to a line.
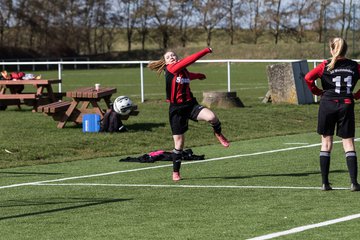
(112, 123)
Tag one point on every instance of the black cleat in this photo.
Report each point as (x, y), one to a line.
(355, 187)
(326, 187)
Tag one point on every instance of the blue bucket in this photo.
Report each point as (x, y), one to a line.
(91, 123)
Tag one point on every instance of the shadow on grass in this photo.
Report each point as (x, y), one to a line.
(131, 127)
(274, 175)
(84, 202)
(143, 126)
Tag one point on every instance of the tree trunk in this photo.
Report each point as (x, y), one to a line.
(221, 99)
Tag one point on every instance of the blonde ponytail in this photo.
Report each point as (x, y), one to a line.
(157, 66)
(338, 47)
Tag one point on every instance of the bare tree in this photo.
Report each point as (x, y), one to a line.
(349, 18)
(230, 9)
(76, 27)
(234, 11)
(143, 17)
(321, 19)
(5, 18)
(101, 9)
(112, 30)
(127, 11)
(69, 17)
(256, 22)
(87, 19)
(273, 12)
(164, 19)
(212, 12)
(301, 11)
(186, 8)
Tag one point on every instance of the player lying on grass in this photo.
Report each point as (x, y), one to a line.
(183, 105)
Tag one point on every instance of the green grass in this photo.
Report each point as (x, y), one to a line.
(221, 199)
(210, 207)
(34, 139)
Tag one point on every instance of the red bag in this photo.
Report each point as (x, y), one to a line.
(17, 75)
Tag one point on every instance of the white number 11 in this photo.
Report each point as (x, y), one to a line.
(347, 80)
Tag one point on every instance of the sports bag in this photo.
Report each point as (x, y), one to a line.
(112, 123)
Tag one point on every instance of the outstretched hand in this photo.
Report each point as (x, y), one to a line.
(202, 77)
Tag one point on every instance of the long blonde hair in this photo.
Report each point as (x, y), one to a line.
(338, 47)
(157, 66)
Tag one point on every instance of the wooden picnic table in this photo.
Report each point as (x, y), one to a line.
(16, 96)
(85, 100)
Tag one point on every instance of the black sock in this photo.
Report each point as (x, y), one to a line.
(217, 127)
(351, 161)
(176, 157)
(325, 166)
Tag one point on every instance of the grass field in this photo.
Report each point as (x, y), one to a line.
(66, 184)
(34, 139)
(254, 188)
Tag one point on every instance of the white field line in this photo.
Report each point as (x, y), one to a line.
(156, 167)
(269, 236)
(162, 166)
(178, 186)
(296, 143)
(306, 227)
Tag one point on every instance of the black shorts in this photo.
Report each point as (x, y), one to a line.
(179, 116)
(335, 114)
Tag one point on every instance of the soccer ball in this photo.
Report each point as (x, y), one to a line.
(122, 105)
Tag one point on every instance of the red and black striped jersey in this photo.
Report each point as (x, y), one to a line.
(337, 83)
(178, 78)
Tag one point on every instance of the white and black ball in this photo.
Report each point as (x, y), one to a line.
(122, 105)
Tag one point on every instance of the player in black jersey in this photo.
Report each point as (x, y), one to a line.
(183, 105)
(339, 76)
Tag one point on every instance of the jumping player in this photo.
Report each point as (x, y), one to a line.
(183, 105)
(339, 76)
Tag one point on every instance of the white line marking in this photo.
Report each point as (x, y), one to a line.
(156, 167)
(296, 143)
(269, 236)
(162, 166)
(306, 227)
(177, 186)
(8, 151)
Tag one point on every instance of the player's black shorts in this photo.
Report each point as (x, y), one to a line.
(179, 116)
(336, 114)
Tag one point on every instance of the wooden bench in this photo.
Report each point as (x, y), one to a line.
(18, 96)
(54, 107)
(17, 99)
(11, 92)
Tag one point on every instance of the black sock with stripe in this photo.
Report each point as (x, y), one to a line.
(217, 127)
(351, 161)
(325, 166)
(176, 157)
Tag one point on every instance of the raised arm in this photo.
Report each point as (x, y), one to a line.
(183, 63)
(314, 74)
